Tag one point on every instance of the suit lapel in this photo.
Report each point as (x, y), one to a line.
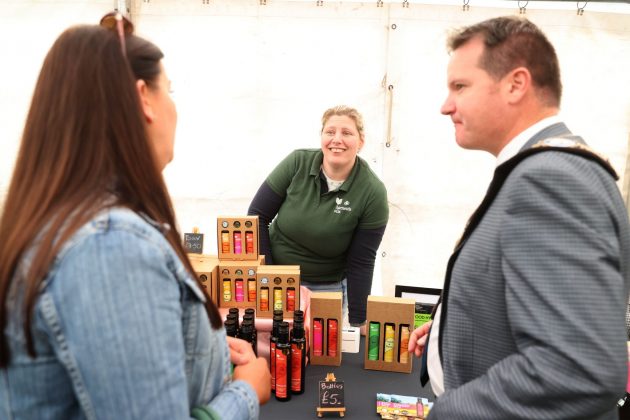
(500, 175)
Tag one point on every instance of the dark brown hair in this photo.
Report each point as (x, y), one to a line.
(511, 42)
(84, 142)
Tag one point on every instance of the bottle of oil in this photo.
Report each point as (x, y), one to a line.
(249, 320)
(230, 327)
(273, 340)
(246, 333)
(298, 356)
(252, 312)
(283, 363)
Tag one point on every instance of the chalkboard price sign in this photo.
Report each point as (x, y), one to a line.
(193, 243)
(330, 394)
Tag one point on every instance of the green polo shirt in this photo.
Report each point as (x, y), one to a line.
(314, 230)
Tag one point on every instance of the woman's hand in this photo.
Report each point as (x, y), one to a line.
(256, 373)
(418, 339)
(241, 352)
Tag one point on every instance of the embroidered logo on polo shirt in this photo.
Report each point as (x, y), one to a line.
(339, 208)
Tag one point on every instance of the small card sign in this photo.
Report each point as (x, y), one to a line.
(330, 394)
(193, 242)
(331, 398)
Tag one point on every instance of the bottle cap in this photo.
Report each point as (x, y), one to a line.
(246, 331)
(230, 327)
(283, 332)
(298, 330)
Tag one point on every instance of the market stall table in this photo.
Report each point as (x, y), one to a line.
(361, 387)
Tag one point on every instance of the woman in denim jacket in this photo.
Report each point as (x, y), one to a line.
(101, 313)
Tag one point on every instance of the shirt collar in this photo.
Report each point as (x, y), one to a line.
(317, 164)
(316, 171)
(516, 144)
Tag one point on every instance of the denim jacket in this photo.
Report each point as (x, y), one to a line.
(121, 332)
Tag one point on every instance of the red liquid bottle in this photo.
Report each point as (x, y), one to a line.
(273, 340)
(283, 363)
(298, 356)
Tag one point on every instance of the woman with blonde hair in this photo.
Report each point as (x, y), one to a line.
(326, 211)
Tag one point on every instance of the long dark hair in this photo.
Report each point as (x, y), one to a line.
(84, 139)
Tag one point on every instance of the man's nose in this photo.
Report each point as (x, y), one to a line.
(448, 107)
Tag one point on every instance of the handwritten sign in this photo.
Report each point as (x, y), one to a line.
(331, 394)
(193, 243)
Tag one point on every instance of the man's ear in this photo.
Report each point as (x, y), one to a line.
(518, 83)
(145, 100)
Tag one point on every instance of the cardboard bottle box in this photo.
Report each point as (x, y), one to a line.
(207, 269)
(326, 306)
(389, 310)
(237, 238)
(235, 275)
(274, 284)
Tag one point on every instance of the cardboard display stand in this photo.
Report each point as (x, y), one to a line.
(207, 269)
(235, 282)
(326, 306)
(278, 287)
(397, 312)
(237, 238)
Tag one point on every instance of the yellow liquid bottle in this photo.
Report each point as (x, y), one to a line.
(388, 354)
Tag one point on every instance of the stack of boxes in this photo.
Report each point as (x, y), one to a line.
(238, 278)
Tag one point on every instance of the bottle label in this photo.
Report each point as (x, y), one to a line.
(237, 242)
(251, 289)
(296, 368)
(272, 360)
(318, 339)
(249, 242)
(373, 340)
(332, 337)
(225, 242)
(277, 298)
(388, 353)
(281, 375)
(264, 299)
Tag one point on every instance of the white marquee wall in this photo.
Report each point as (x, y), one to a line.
(251, 82)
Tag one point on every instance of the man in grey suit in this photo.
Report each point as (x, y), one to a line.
(530, 324)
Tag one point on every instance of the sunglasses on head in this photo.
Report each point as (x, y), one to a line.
(117, 22)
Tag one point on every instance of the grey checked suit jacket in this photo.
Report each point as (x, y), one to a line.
(533, 325)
